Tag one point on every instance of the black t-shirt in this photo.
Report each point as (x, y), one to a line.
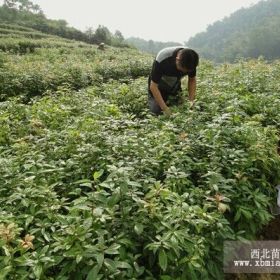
(164, 71)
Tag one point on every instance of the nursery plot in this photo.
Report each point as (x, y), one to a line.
(95, 187)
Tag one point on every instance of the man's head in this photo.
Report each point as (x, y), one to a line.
(187, 60)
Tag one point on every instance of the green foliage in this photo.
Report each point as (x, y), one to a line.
(22, 40)
(150, 46)
(47, 69)
(95, 187)
(29, 17)
(102, 35)
(249, 33)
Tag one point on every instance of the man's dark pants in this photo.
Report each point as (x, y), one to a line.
(170, 99)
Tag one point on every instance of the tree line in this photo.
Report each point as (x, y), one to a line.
(25, 13)
(149, 46)
(249, 32)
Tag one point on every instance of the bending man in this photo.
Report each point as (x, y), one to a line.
(169, 67)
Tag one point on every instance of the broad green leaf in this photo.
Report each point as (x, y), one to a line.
(113, 249)
(246, 213)
(110, 264)
(113, 200)
(78, 258)
(97, 174)
(100, 259)
(138, 228)
(237, 215)
(92, 275)
(162, 258)
(38, 269)
(120, 264)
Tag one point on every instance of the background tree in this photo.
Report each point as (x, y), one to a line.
(249, 32)
(25, 13)
(117, 39)
(10, 3)
(102, 35)
(23, 5)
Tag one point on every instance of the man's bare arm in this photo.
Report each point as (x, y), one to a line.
(192, 88)
(157, 95)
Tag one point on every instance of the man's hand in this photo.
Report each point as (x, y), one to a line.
(167, 112)
(191, 104)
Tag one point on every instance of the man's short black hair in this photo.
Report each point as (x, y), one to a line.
(189, 59)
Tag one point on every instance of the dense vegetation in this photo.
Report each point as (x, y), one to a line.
(25, 15)
(250, 32)
(50, 63)
(28, 15)
(94, 187)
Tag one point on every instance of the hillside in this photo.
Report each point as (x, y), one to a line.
(48, 63)
(28, 15)
(24, 14)
(95, 187)
(19, 39)
(249, 32)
